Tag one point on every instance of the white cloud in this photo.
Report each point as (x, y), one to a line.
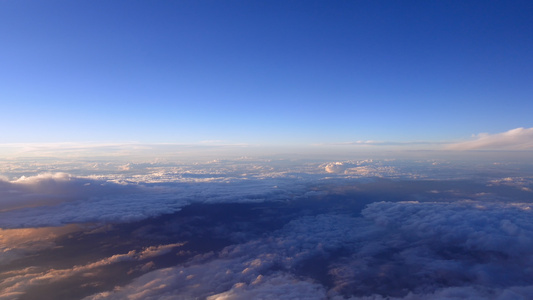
(515, 139)
(361, 168)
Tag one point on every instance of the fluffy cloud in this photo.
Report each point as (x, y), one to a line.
(362, 168)
(405, 250)
(515, 139)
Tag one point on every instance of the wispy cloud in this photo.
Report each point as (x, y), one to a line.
(514, 139)
(382, 143)
(118, 150)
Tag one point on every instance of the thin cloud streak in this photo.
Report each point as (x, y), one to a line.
(386, 143)
(514, 139)
(116, 150)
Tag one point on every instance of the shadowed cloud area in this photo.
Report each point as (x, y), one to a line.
(268, 229)
(405, 250)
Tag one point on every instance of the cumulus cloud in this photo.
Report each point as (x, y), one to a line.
(514, 139)
(404, 250)
(341, 166)
(361, 168)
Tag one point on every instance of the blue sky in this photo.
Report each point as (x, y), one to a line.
(263, 72)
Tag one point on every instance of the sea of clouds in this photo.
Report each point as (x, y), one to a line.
(134, 191)
(470, 235)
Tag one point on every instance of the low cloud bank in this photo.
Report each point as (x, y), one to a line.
(59, 198)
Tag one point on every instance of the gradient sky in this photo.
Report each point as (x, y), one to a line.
(263, 72)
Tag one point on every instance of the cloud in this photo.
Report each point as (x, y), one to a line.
(338, 167)
(432, 246)
(256, 268)
(362, 168)
(281, 287)
(515, 139)
(403, 250)
(119, 151)
(16, 243)
(55, 199)
(59, 198)
(371, 144)
(383, 143)
(106, 194)
(521, 183)
(17, 283)
(406, 250)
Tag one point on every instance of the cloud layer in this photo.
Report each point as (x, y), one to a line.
(404, 250)
(57, 199)
(54, 199)
(450, 249)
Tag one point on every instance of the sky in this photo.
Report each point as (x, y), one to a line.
(265, 72)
